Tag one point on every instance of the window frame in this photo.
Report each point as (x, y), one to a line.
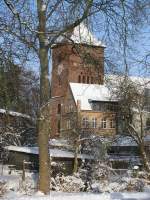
(112, 123)
(68, 124)
(85, 122)
(94, 122)
(104, 123)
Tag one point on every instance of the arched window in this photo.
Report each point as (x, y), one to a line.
(103, 123)
(94, 122)
(79, 79)
(83, 79)
(85, 122)
(59, 108)
(88, 80)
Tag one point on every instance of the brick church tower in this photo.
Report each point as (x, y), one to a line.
(78, 58)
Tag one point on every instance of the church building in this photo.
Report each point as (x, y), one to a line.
(80, 101)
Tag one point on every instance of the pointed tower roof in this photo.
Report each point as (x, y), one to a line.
(80, 35)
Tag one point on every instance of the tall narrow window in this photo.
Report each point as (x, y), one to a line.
(58, 126)
(70, 108)
(59, 109)
(103, 123)
(100, 79)
(88, 80)
(68, 124)
(83, 79)
(59, 81)
(94, 122)
(112, 123)
(79, 79)
(85, 122)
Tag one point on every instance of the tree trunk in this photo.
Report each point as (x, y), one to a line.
(144, 158)
(43, 121)
(44, 161)
(75, 167)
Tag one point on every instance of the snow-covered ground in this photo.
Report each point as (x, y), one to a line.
(78, 196)
(18, 191)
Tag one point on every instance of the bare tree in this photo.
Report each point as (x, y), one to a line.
(35, 26)
(19, 88)
(134, 112)
(38, 31)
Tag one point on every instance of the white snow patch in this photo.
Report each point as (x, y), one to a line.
(43, 8)
(124, 141)
(87, 92)
(32, 150)
(80, 35)
(58, 143)
(80, 196)
(136, 167)
(39, 193)
(17, 114)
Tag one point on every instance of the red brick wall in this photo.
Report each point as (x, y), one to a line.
(55, 116)
(74, 61)
(83, 61)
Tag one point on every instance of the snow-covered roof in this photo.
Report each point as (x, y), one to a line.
(124, 141)
(56, 153)
(80, 35)
(17, 114)
(86, 93)
(125, 158)
(58, 143)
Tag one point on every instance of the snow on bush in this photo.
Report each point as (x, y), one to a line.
(101, 171)
(67, 183)
(72, 184)
(135, 185)
(107, 186)
(125, 184)
(29, 185)
(14, 182)
(2, 188)
(144, 175)
(97, 177)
